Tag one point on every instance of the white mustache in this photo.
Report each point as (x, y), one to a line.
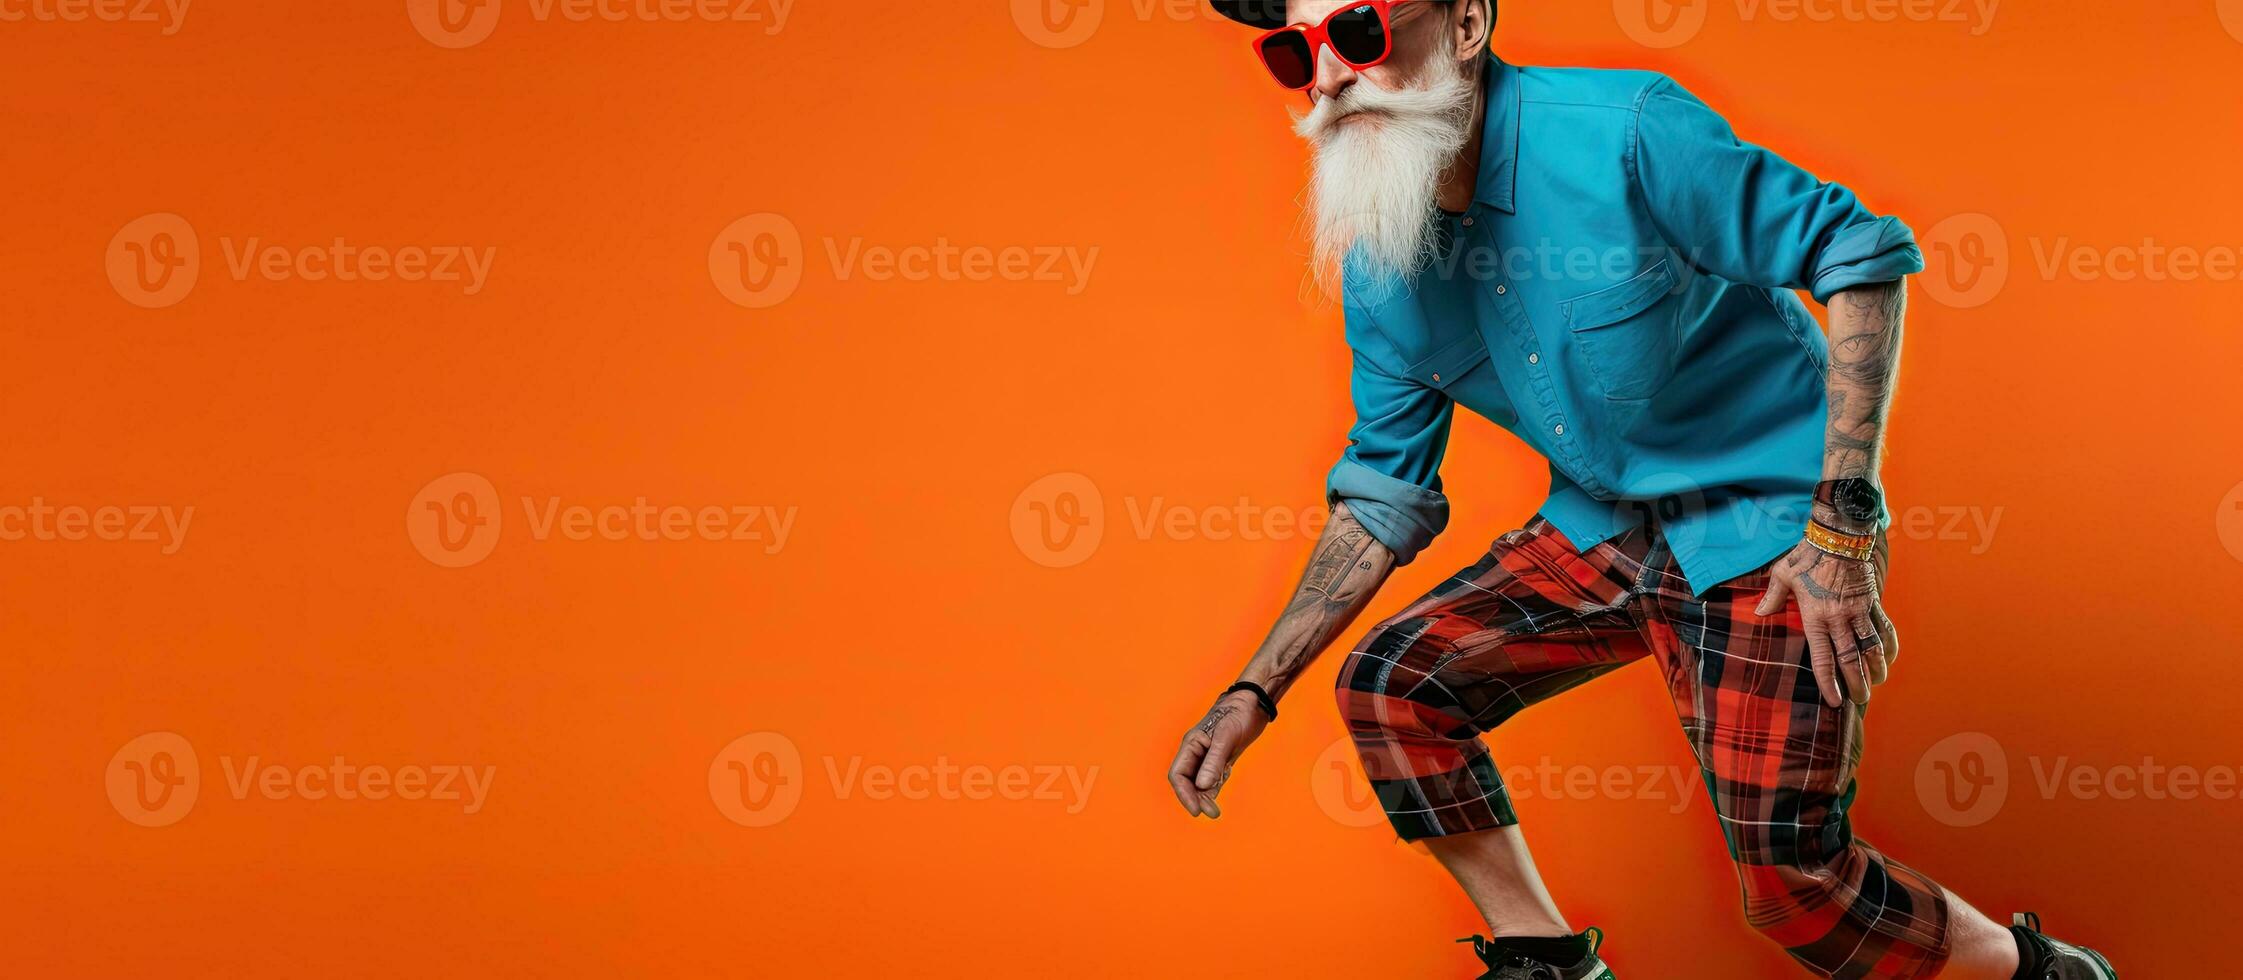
(1413, 104)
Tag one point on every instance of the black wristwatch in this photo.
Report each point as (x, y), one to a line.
(1855, 499)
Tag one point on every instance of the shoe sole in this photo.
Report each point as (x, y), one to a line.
(2108, 969)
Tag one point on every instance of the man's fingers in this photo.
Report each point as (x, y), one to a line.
(1853, 666)
(1214, 766)
(1187, 764)
(1825, 661)
(1887, 632)
(1880, 669)
(1873, 650)
(1772, 602)
(1185, 794)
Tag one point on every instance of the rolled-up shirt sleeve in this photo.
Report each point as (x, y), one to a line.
(1749, 216)
(1389, 477)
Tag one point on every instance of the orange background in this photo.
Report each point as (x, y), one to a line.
(902, 624)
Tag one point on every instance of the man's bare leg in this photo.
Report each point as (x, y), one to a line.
(1983, 948)
(1498, 873)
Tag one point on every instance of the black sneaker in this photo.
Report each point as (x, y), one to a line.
(1510, 959)
(2054, 960)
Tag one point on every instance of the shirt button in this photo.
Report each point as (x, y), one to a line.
(1436, 377)
(1561, 428)
(1500, 290)
(1534, 358)
(1467, 222)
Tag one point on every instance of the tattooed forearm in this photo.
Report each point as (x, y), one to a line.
(1865, 329)
(1348, 567)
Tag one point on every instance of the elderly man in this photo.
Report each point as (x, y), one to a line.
(1593, 260)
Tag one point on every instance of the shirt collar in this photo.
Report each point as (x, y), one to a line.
(1499, 145)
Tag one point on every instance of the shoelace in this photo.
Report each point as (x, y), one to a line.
(1486, 948)
(1487, 951)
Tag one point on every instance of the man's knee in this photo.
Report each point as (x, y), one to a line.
(1779, 897)
(1393, 661)
(1369, 668)
(1386, 686)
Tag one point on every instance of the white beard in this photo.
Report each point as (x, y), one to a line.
(1375, 187)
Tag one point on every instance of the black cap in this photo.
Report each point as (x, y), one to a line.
(1253, 13)
(1267, 14)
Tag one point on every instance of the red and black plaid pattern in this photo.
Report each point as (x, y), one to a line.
(1535, 618)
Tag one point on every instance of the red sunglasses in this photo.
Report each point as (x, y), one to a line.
(1360, 33)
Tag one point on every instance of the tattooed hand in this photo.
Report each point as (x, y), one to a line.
(1203, 762)
(1850, 640)
(1346, 570)
(1849, 637)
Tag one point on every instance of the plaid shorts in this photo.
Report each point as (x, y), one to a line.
(1535, 618)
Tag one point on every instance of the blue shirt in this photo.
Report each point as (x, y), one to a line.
(1621, 296)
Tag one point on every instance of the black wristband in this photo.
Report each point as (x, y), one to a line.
(1261, 697)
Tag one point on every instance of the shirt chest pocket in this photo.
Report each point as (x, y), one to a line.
(1625, 334)
(1436, 338)
(1444, 368)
